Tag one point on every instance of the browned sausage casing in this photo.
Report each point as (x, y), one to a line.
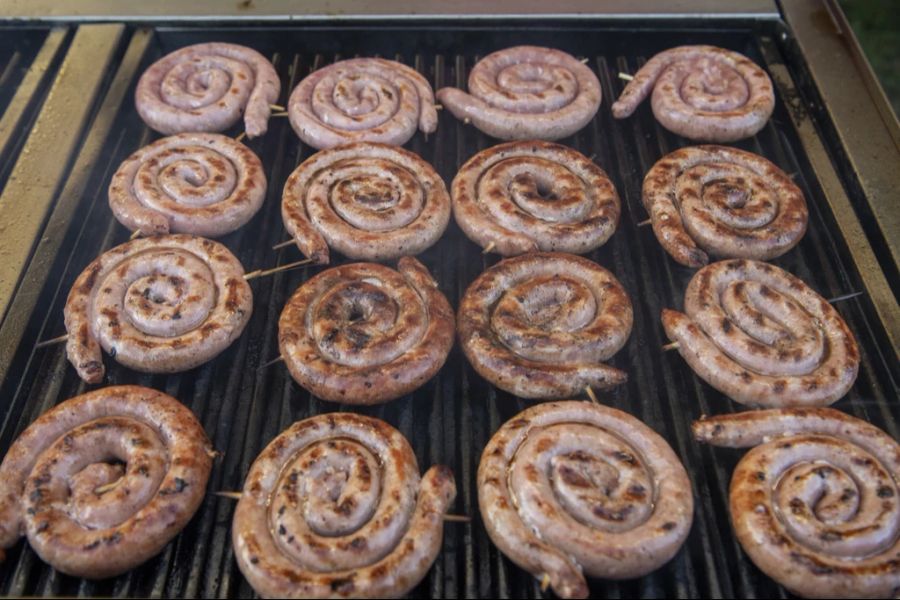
(147, 452)
(525, 93)
(725, 202)
(532, 195)
(200, 183)
(207, 87)
(566, 487)
(815, 502)
(703, 93)
(539, 325)
(762, 337)
(334, 508)
(364, 333)
(368, 201)
(160, 304)
(362, 100)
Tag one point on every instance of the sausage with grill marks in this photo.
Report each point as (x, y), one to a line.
(762, 337)
(568, 488)
(148, 451)
(334, 508)
(160, 304)
(207, 87)
(527, 92)
(814, 503)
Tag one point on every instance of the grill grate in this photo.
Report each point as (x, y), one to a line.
(450, 419)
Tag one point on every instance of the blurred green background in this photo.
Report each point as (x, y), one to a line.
(876, 24)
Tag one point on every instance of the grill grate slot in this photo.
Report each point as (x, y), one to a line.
(451, 418)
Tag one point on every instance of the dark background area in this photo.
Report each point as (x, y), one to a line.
(876, 24)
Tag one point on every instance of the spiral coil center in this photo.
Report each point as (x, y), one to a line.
(538, 187)
(708, 84)
(355, 101)
(833, 496)
(592, 476)
(528, 87)
(189, 175)
(158, 293)
(369, 194)
(714, 194)
(329, 489)
(68, 474)
(365, 322)
(205, 80)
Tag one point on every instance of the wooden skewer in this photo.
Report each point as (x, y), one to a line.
(106, 487)
(264, 272)
(278, 358)
(645, 223)
(438, 107)
(591, 394)
(451, 518)
(277, 107)
(626, 76)
(845, 297)
(52, 341)
(283, 244)
(489, 247)
(672, 346)
(545, 582)
(135, 235)
(232, 495)
(458, 518)
(240, 136)
(585, 61)
(279, 114)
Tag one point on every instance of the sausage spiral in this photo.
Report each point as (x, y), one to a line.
(539, 324)
(762, 337)
(527, 92)
(703, 93)
(160, 304)
(369, 201)
(530, 196)
(334, 507)
(206, 87)
(362, 100)
(571, 486)
(724, 201)
(143, 445)
(200, 183)
(363, 333)
(814, 503)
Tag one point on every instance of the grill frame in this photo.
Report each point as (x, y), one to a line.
(459, 422)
